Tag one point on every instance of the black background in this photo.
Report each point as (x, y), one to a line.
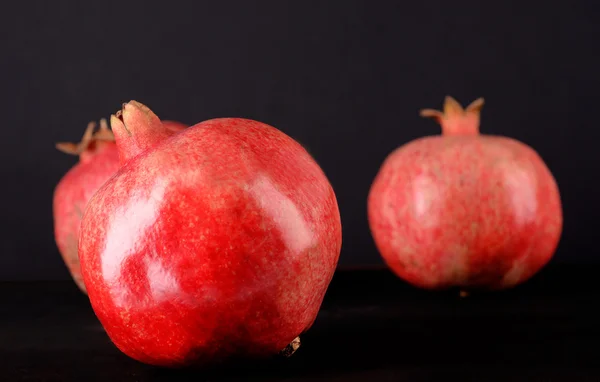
(346, 79)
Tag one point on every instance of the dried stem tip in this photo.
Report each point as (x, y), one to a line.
(291, 348)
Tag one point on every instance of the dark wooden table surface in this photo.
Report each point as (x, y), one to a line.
(372, 327)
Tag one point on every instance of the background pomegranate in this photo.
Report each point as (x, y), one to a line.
(464, 210)
(217, 243)
(98, 161)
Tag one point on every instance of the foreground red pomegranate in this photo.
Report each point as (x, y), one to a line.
(219, 242)
(98, 161)
(465, 210)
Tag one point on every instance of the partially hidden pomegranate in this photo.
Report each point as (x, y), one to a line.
(98, 161)
(215, 243)
(464, 210)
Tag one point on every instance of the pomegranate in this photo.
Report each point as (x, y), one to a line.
(98, 161)
(215, 243)
(464, 210)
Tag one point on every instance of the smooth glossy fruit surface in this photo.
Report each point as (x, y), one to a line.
(210, 244)
(463, 209)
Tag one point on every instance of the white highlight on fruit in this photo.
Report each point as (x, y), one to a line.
(163, 284)
(286, 215)
(425, 194)
(521, 189)
(129, 223)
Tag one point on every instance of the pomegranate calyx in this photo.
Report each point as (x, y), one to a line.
(456, 120)
(118, 120)
(88, 139)
(136, 129)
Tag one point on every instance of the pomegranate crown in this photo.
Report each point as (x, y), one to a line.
(89, 137)
(456, 120)
(136, 129)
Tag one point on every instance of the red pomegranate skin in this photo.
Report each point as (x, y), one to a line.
(218, 243)
(465, 210)
(98, 161)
